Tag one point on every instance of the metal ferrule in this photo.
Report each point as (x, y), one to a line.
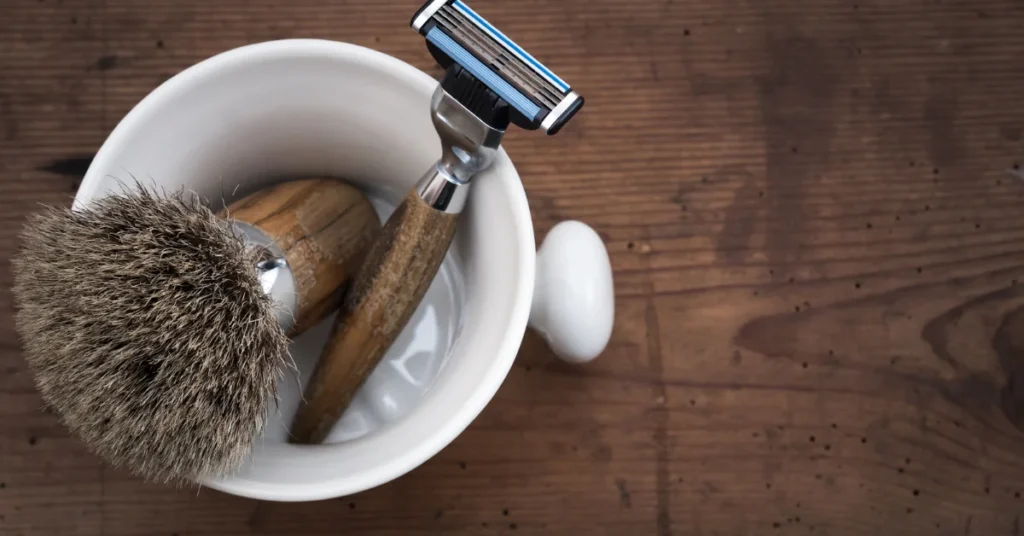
(274, 272)
(468, 146)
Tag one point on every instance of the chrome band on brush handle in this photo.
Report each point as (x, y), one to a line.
(274, 272)
(468, 146)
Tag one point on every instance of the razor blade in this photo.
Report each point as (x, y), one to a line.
(456, 34)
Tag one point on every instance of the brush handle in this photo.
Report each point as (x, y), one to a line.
(386, 291)
(324, 227)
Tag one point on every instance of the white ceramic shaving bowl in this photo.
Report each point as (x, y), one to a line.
(300, 108)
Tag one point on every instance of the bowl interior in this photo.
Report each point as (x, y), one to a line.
(301, 108)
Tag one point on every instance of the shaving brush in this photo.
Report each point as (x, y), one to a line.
(156, 329)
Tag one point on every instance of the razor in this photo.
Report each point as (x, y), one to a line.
(489, 83)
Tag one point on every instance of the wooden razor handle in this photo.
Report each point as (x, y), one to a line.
(324, 227)
(387, 289)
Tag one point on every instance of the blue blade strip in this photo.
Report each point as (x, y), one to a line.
(511, 44)
(483, 73)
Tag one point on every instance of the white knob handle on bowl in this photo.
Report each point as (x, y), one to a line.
(573, 298)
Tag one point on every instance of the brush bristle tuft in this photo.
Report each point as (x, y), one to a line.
(147, 331)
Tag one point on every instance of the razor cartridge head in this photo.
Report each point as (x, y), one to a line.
(455, 34)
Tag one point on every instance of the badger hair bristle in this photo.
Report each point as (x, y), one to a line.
(146, 330)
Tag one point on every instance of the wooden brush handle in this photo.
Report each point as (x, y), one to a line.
(389, 286)
(324, 227)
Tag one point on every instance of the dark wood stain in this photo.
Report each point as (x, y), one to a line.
(1008, 343)
(796, 100)
(732, 244)
(1010, 133)
(663, 478)
(70, 166)
(108, 62)
(8, 123)
(936, 332)
(940, 114)
(258, 515)
(625, 499)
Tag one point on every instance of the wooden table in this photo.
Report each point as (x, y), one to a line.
(813, 210)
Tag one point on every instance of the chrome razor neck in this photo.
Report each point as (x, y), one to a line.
(468, 146)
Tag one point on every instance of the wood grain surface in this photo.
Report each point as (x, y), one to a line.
(814, 213)
(387, 287)
(323, 227)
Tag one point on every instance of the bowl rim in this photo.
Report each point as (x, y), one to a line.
(514, 192)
